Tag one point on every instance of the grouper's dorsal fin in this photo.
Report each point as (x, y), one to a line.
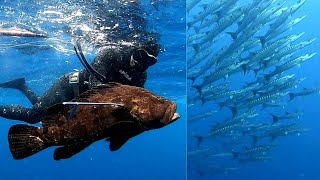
(55, 115)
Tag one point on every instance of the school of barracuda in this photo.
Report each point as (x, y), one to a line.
(241, 61)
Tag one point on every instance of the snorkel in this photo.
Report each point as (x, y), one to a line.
(95, 77)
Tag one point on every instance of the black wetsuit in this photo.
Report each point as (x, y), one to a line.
(122, 65)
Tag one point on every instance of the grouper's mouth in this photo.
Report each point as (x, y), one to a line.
(175, 117)
(170, 115)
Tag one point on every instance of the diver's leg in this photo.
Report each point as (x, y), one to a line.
(20, 84)
(14, 112)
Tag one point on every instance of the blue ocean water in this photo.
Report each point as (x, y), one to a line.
(158, 154)
(296, 156)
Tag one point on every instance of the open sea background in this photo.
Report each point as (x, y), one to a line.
(158, 154)
(295, 157)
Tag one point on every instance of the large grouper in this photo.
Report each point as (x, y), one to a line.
(130, 112)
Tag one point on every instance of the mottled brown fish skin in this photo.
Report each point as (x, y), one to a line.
(93, 122)
(88, 124)
(141, 111)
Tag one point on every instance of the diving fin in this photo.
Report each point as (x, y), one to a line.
(20, 84)
(14, 84)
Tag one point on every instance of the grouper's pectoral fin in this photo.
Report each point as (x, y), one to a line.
(121, 132)
(66, 152)
(116, 142)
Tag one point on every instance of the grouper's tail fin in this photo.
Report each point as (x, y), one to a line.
(15, 84)
(24, 141)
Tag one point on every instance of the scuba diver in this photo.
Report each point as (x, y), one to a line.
(123, 65)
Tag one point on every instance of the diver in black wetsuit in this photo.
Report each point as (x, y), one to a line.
(123, 65)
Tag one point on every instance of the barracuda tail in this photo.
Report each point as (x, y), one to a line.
(262, 40)
(203, 101)
(256, 71)
(275, 118)
(189, 25)
(244, 69)
(233, 35)
(219, 14)
(291, 96)
(198, 88)
(235, 155)
(193, 79)
(199, 140)
(196, 47)
(197, 29)
(233, 110)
